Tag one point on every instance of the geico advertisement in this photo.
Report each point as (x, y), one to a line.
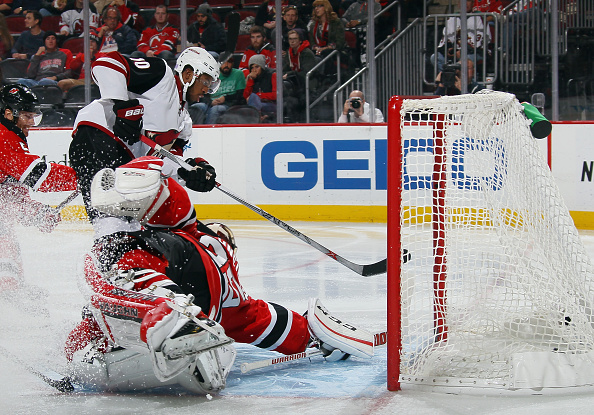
(325, 165)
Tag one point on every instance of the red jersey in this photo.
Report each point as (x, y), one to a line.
(267, 50)
(158, 40)
(16, 161)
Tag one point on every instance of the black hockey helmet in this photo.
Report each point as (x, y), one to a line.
(19, 98)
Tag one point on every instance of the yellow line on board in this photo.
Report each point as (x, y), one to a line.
(321, 213)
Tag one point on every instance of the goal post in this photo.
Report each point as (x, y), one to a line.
(499, 290)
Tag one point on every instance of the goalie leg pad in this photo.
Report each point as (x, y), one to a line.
(337, 334)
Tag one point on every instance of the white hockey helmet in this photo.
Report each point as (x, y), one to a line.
(201, 62)
(136, 189)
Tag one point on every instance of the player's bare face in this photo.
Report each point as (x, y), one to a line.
(25, 121)
(199, 88)
(257, 40)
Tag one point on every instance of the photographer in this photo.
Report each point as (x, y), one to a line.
(357, 110)
(449, 80)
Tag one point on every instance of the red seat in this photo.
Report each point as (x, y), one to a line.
(149, 4)
(243, 41)
(51, 23)
(16, 24)
(74, 44)
(351, 39)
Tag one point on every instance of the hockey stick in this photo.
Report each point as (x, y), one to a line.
(63, 385)
(364, 270)
(67, 200)
(379, 339)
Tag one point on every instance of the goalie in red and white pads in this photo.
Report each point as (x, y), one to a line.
(167, 289)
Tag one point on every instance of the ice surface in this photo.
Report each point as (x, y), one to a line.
(274, 266)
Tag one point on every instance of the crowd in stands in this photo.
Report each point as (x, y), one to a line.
(311, 31)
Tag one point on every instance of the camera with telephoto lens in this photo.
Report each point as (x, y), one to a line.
(355, 103)
(448, 74)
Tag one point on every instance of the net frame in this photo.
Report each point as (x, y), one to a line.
(531, 357)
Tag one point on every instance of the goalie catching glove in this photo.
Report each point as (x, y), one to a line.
(128, 123)
(201, 178)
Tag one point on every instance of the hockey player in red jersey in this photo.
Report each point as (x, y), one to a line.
(154, 288)
(20, 171)
(141, 96)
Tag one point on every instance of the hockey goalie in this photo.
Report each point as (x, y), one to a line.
(166, 302)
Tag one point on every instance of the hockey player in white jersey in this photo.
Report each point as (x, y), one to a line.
(140, 96)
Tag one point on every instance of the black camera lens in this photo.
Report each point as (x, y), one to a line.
(356, 103)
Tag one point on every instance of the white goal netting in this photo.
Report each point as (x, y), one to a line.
(499, 291)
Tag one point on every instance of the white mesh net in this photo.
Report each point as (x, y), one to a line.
(499, 290)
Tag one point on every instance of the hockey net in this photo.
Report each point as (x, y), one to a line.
(499, 290)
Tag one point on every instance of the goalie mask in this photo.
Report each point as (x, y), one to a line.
(201, 62)
(136, 189)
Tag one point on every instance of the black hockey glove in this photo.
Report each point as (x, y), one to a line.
(128, 123)
(201, 178)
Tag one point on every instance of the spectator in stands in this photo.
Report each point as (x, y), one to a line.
(356, 14)
(259, 46)
(6, 39)
(260, 88)
(6, 7)
(54, 7)
(23, 6)
(158, 40)
(266, 16)
(31, 39)
(449, 82)
(114, 35)
(230, 93)
(291, 21)
(76, 67)
(355, 109)
(49, 64)
(298, 60)
(72, 22)
(451, 43)
(128, 11)
(206, 32)
(326, 32)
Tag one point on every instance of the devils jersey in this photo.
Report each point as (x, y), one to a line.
(267, 51)
(157, 40)
(18, 163)
(204, 267)
(72, 20)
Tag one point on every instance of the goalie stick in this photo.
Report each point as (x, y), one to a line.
(364, 270)
(379, 339)
(64, 384)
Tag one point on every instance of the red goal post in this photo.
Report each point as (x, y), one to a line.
(498, 291)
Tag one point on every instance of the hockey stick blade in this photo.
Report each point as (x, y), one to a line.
(379, 339)
(64, 384)
(363, 270)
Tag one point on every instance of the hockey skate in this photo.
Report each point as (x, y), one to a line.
(335, 338)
